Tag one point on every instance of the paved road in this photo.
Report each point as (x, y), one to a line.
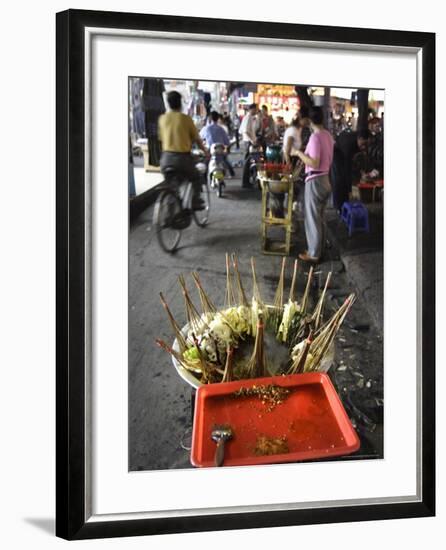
(159, 401)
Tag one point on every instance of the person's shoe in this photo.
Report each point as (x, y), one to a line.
(307, 258)
(198, 204)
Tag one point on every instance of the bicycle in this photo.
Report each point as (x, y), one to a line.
(173, 208)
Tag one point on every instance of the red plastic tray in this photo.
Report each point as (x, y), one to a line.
(312, 419)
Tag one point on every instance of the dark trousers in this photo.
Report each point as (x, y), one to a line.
(184, 164)
(246, 164)
(341, 179)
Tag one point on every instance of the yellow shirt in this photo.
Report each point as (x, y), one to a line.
(177, 132)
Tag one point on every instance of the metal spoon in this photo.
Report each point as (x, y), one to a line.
(221, 434)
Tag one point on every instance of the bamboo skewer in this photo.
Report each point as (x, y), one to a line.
(327, 334)
(207, 306)
(257, 364)
(278, 298)
(339, 314)
(307, 292)
(228, 374)
(275, 318)
(304, 321)
(176, 329)
(229, 294)
(255, 286)
(289, 310)
(316, 317)
(319, 355)
(241, 291)
(178, 357)
(256, 300)
(193, 317)
(291, 296)
(298, 365)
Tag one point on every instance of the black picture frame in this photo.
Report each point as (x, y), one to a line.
(71, 517)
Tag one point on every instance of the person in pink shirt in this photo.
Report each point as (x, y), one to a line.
(317, 158)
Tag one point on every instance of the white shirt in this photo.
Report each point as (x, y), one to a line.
(294, 134)
(248, 128)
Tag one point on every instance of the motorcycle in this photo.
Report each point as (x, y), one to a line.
(253, 158)
(200, 161)
(217, 169)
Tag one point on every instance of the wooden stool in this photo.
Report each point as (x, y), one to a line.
(269, 189)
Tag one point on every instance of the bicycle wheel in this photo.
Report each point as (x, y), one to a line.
(167, 206)
(201, 217)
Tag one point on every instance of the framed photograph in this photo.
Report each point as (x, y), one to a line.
(245, 334)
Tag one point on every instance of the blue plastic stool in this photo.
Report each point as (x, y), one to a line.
(356, 217)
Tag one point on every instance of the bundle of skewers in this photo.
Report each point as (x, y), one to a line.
(207, 346)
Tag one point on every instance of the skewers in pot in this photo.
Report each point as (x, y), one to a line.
(208, 348)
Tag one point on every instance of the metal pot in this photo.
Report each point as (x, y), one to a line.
(190, 378)
(277, 186)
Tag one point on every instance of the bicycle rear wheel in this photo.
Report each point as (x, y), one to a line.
(201, 217)
(167, 206)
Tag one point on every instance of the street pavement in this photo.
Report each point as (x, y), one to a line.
(363, 257)
(160, 402)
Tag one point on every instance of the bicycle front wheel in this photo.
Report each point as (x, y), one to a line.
(167, 206)
(201, 217)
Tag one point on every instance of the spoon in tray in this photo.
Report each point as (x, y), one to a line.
(221, 434)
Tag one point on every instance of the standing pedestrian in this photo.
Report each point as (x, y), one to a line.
(236, 126)
(265, 128)
(348, 145)
(304, 112)
(248, 127)
(292, 142)
(280, 126)
(226, 120)
(317, 158)
(248, 132)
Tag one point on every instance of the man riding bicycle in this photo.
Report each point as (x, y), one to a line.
(177, 133)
